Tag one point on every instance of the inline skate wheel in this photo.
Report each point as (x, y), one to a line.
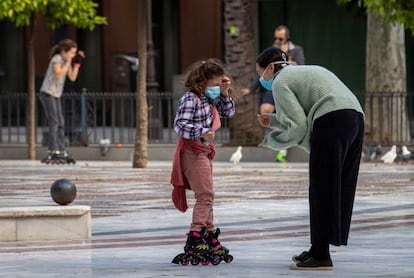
(205, 261)
(195, 261)
(215, 260)
(184, 262)
(228, 259)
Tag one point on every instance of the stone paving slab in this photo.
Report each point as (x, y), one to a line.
(261, 208)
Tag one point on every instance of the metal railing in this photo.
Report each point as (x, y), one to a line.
(90, 117)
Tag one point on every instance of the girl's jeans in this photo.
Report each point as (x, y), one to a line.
(197, 169)
(56, 122)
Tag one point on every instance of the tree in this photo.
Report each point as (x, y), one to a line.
(23, 13)
(141, 135)
(392, 11)
(385, 99)
(240, 59)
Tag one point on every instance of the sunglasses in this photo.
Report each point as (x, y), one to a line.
(279, 39)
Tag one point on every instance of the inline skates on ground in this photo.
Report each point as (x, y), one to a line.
(219, 250)
(58, 158)
(204, 248)
(196, 251)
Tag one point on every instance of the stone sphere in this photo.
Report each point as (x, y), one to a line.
(63, 191)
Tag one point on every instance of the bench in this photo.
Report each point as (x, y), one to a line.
(45, 223)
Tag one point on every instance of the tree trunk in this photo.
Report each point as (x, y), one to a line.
(385, 100)
(31, 125)
(240, 59)
(141, 136)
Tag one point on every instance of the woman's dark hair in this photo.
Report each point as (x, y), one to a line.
(270, 55)
(63, 45)
(199, 72)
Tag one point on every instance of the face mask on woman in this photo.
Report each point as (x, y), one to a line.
(267, 84)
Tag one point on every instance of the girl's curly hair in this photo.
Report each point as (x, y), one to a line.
(199, 72)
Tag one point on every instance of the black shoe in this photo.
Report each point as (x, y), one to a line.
(302, 257)
(313, 264)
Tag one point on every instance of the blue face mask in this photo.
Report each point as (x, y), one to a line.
(213, 92)
(267, 84)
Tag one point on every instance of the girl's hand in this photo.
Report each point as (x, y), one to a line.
(264, 120)
(81, 53)
(209, 136)
(225, 85)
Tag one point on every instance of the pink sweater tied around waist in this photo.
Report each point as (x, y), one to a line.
(178, 179)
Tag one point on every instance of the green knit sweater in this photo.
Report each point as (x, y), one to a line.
(302, 94)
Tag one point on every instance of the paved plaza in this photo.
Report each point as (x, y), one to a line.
(261, 208)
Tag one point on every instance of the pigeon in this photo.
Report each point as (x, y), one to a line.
(104, 145)
(390, 156)
(374, 152)
(237, 155)
(406, 154)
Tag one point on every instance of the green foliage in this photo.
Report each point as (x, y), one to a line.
(396, 11)
(80, 13)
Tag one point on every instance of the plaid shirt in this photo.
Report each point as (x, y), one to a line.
(194, 115)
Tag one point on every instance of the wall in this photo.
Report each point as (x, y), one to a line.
(200, 31)
(119, 36)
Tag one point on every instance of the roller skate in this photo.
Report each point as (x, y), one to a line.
(57, 157)
(196, 251)
(47, 158)
(52, 158)
(68, 158)
(219, 250)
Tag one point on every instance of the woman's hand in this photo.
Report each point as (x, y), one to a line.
(245, 91)
(264, 120)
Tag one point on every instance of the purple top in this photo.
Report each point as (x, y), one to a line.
(194, 116)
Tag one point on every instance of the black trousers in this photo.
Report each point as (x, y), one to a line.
(56, 121)
(336, 147)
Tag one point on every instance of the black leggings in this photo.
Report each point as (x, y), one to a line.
(336, 146)
(56, 133)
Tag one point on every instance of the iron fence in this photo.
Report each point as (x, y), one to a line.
(91, 116)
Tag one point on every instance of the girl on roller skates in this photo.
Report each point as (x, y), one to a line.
(65, 60)
(209, 97)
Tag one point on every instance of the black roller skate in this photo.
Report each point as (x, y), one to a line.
(219, 250)
(68, 158)
(47, 158)
(58, 158)
(196, 251)
(53, 158)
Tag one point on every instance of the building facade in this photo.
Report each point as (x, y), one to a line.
(184, 31)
